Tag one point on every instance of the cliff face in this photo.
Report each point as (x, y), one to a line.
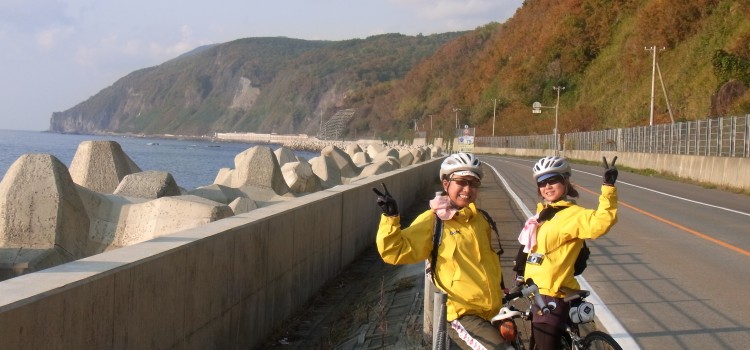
(250, 85)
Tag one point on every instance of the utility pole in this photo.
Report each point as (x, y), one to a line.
(664, 89)
(456, 110)
(653, 78)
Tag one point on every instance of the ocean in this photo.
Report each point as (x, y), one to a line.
(192, 163)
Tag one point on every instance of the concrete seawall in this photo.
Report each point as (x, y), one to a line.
(223, 285)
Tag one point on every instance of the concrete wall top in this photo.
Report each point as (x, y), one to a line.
(225, 284)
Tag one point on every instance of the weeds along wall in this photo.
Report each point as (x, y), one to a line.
(224, 285)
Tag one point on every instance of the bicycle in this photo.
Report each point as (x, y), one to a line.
(509, 315)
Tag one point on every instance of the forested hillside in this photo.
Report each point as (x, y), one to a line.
(595, 49)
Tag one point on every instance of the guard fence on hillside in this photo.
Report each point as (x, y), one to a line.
(719, 137)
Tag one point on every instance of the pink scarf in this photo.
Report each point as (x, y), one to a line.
(442, 206)
(528, 235)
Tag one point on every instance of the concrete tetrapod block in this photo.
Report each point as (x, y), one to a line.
(426, 153)
(42, 219)
(374, 149)
(352, 149)
(284, 155)
(242, 205)
(224, 177)
(405, 157)
(379, 167)
(264, 196)
(437, 151)
(325, 168)
(101, 165)
(107, 214)
(148, 184)
(387, 153)
(167, 215)
(418, 153)
(343, 161)
(361, 158)
(300, 177)
(258, 167)
(218, 193)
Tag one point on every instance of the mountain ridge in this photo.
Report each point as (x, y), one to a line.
(593, 48)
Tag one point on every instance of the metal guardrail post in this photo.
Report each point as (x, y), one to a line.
(439, 333)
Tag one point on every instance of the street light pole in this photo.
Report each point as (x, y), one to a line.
(456, 110)
(537, 108)
(557, 105)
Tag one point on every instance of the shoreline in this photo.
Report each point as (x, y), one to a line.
(296, 142)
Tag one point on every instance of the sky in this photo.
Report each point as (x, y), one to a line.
(55, 54)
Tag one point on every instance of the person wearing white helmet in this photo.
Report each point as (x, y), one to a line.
(463, 262)
(554, 237)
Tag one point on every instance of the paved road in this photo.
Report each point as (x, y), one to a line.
(674, 270)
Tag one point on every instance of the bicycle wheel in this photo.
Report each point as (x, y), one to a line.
(597, 340)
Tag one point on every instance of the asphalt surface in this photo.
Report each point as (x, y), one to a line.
(672, 273)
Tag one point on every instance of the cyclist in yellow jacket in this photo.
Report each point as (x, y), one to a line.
(554, 237)
(466, 268)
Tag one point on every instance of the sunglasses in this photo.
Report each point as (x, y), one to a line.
(465, 182)
(551, 181)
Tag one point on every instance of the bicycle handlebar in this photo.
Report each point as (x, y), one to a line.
(531, 289)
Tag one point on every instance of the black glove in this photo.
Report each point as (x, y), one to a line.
(610, 172)
(386, 202)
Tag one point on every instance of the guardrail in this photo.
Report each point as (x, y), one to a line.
(719, 137)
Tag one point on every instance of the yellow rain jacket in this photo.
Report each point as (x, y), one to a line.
(560, 239)
(468, 269)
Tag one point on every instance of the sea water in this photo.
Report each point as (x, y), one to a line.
(192, 163)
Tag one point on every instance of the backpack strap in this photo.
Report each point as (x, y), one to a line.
(493, 225)
(437, 237)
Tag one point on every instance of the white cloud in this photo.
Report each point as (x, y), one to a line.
(48, 39)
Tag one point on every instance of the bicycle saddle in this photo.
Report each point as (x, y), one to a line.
(504, 314)
(573, 294)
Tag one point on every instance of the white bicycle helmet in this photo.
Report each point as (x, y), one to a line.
(551, 165)
(460, 163)
(582, 313)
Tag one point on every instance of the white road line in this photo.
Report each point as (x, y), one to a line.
(605, 316)
(673, 196)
